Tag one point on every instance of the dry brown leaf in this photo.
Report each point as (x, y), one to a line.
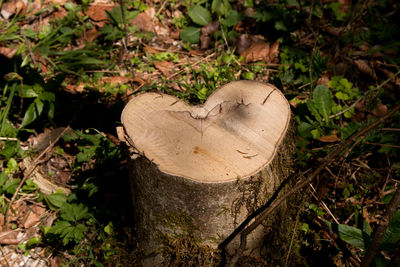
(31, 220)
(115, 80)
(9, 238)
(91, 35)
(165, 67)
(8, 9)
(205, 41)
(257, 52)
(73, 88)
(332, 138)
(143, 22)
(8, 52)
(210, 28)
(150, 50)
(274, 52)
(346, 4)
(363, 66)
(242, 43)
(97, 12)
(358, 117)
(324, 79)
(380, 110)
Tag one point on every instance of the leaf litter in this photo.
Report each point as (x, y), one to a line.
(163, 38)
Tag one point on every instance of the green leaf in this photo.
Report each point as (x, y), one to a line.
(56, 199)
(342, 96)
(323, 100)
(11, 148)
(47, 96)
(109, 228)
(392, 234)
(11, 186)
(28, 93)
(32, 112)
(199, 15)
(12, 165)
(221, 7)
(190, 34)
(3, 178)
(304, 130)
(231, 19)
(351, 235)
(74, 212)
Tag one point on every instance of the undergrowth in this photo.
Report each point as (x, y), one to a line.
(335, 85)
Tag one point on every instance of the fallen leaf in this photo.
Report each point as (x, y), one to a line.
(244, 41)
(329, 138)
(143, 22)
(165, 67)
(91, 35)
(8, 52)
(210, 28)
(324, 79)
(358, 117)
(8, 9)
(205, 41)
(9, 238)
(274, 52)
(97, 12)
(150, 50)
(31, 220)
(257, 52)
(380, 110)
(206, 31)
(363, 66)
(116, 80)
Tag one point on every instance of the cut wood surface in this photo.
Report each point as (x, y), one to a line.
(203, 169)
(236, 133)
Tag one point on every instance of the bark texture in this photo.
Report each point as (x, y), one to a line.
(179, 212)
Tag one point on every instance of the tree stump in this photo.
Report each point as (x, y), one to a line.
(201, 170)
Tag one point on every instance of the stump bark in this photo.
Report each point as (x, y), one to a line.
(201, 170)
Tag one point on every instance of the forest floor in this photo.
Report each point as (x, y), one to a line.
(68, 69)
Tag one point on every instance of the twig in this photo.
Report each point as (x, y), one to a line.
(323, 204)
(30, 171)
(4, 256)
(377, 144)
(161, 8)
(381, 230)
(293, 235)
(327, 160)
(8, 138)
(194, 64)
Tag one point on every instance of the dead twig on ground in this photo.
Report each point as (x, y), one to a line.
(30, 171)
(381, 230)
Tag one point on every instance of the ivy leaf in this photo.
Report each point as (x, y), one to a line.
(323, 100)
(199, 15)
(190, 34)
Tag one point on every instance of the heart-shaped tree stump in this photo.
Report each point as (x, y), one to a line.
(202, 170)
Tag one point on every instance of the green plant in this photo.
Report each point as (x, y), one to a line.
(201, 16)
(360, 236)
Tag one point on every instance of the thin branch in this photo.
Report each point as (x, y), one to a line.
(381, 230)
(30, 171)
